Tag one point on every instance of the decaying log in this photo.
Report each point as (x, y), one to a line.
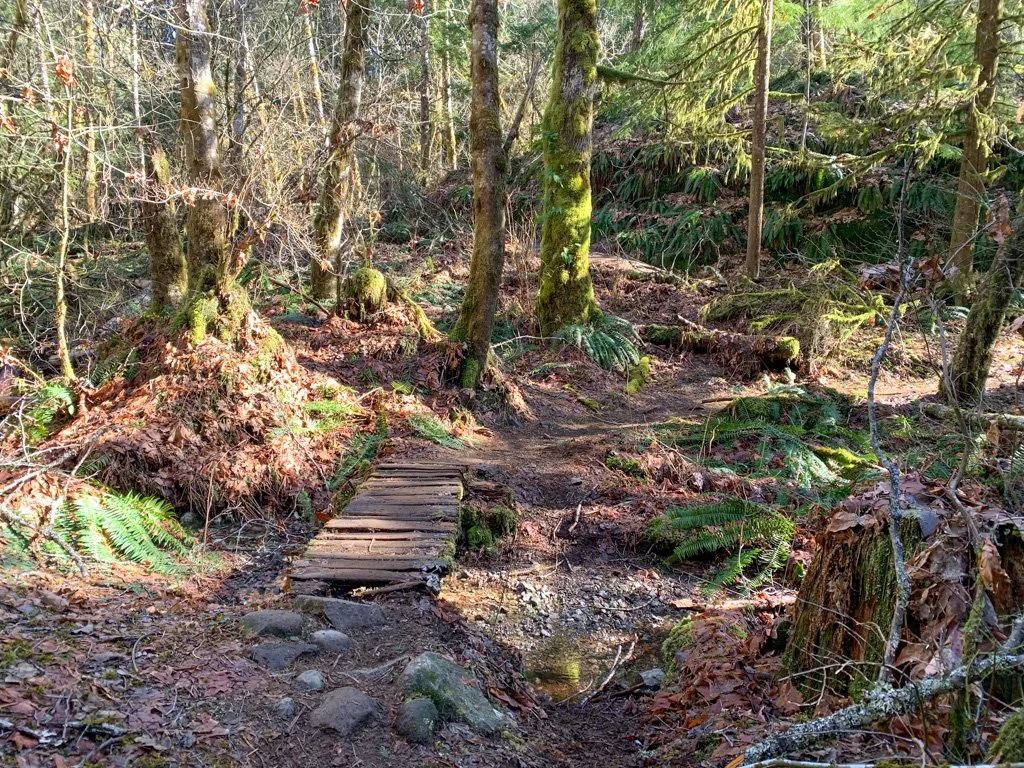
(976, 419)
(771, 353)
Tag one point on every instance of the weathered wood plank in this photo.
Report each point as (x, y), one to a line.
(381, 564)
(388, 524)
(351, 575)
(327, 534)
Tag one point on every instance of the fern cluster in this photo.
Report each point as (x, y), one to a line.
(757, 536)
(609, 341)
(47, 405)
(107, 526)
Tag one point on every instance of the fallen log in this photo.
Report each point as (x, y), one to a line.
(976, 419)
(756, 353)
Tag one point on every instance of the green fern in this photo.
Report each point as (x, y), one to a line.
(752, 533)
(46, 405)
(108, 526)
(609, 342)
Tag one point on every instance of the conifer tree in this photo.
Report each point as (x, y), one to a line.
(979, 136)
(762, 66)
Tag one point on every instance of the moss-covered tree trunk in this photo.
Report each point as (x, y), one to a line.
(979, 136)
(206, 221)
(340, 171)
(167, 267)
(965, 384)
(762, 65)
(566, 292)
(476, 319)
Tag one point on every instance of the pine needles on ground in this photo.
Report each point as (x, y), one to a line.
(609, 341)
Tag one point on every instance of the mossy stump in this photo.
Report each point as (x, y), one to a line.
(366, 292)
(844, 610)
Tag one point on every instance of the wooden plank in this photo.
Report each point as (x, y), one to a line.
(419, 558)
(382, 564)
(410, 513)
(398, 505)
(352, 575)
(403, 491)
(388, 524)
(384, 536)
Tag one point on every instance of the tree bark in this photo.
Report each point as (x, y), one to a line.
(89, 78)
(206, 222)
(762, 66)
(517, 121)
(167, 267)
(965, 385)
(978, 140)
(340, 171)
(447, 111)
(566, 292)
(425, 128)
(314, 64)
(476, 318)
(636, 39)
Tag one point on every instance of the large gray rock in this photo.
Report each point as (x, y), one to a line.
(273, 622)
(331, 641)
(448, 686)
(344, 710)
(343, 615)
(280, 655)
(417, 720)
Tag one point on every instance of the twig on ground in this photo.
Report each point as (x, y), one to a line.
(885, 702)
(620, 659)
(370, 591)
(895, 502)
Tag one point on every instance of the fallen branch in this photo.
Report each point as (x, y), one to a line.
(620, 659)
(758, 604)
(772, 353)
(371, 591)
(301, 293)
(885, 702)
(1006, 421)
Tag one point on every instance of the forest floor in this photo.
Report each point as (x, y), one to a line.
(127, 668)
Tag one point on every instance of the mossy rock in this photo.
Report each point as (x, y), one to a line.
(367, 291)
(639, 375)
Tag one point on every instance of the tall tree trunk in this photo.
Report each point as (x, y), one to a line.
(340, 174)
(973, 356)
(91, 123)
(206, 221)
(762, 65)
(566, 292)
(978, 140)
(60, 303)
(818, 33)
(639, 26)
(167, 267)
(425, 127)
(447, 111)
(476, 318)
(517, 121)
(314, 64)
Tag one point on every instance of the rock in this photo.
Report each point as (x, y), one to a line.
(310, 680)
(416, 720)
(273, 622)
(331, 641)
(445, 683)
(278, 656)
(343, 615)
(285, 708)
(192, 520)
(653, 678)
(344, 711)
